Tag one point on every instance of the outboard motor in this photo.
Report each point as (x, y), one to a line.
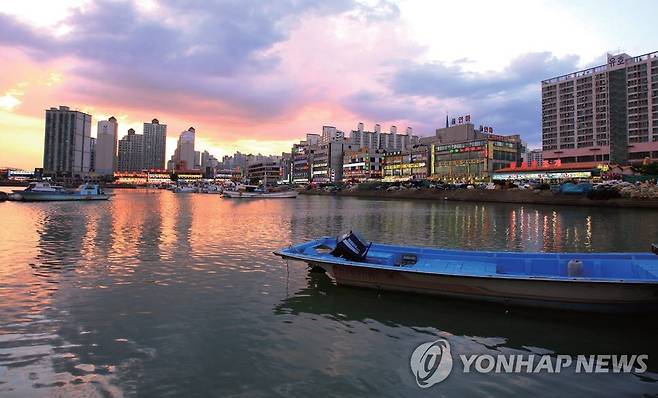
(351, 247)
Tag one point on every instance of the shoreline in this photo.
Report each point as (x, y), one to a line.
(494, 196)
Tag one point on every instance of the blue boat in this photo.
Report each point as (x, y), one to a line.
(593, 282)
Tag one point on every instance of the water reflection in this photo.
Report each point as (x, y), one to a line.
(481, 226)
(154, 293)
(406, 320)
(54, 257)
(518, 328)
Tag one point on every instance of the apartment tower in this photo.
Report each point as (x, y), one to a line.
(606, 114)
(105, 154)
(67, 144)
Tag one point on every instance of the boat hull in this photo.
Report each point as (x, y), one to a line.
(552, 294)
(44, 197)
(261, 195)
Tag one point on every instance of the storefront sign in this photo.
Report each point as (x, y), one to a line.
(561, 175)
(404, 166)
(544, 164)
(461, 120)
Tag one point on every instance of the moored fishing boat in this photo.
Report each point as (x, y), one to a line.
(184, 189)
(254, 192)
(37, 187)
(599, 282)
(211, 189)
(44, 192)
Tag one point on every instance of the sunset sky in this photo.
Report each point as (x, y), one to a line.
(256, 76)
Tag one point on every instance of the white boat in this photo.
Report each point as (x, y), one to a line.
(43, 191)
(212, 189)
(184, 189)
(261, 195)
(45, 187)
(254, 192)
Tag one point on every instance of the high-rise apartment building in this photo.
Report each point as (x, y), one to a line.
(184, 157)
(155, 141)
(67, 144)
(131, 151)
(604, 114)
(391, 141)
(107, 137)
(531, 156)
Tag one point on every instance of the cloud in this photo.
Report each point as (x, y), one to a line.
(374, 11)
(386, 108)
(275, 70)
(193, 57)
(440, 80)
(508, 99)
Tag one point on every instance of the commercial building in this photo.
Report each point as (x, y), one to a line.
(545, 171)
(411, 164)
(188, 175)
(286, 168)
(144, 177)
(131, 151)
(17, 174)
(302, 158)
(155, 145)
(269, 170)
(107, 143)
(67, 144)
(327, 159)
(225, 175)
(473, 160)
(462, 132)
(464, 152)
(158, 177)
(363, 164)
(608, 113)
(131, 177)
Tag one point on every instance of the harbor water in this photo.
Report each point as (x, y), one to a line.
(156, 294)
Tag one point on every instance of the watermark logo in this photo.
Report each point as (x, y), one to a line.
(431, 363)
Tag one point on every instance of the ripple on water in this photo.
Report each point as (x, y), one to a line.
(156, 294)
